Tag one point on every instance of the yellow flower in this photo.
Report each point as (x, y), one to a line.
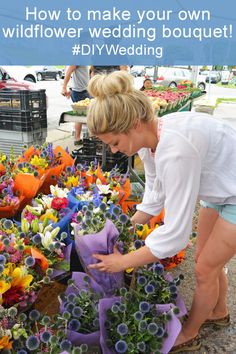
(49, 215)
(4, 286)
(5, 343)
(21, 278)
(3, 158)
(39, 162)
(72, 181)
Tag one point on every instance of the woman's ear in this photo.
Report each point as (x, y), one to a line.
(138, 125)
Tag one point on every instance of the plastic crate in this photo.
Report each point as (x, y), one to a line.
(16, 140)
(112, 160)
(23, 121)
(22, 100)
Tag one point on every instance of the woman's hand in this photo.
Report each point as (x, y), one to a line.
(111, 263)
(140, 218)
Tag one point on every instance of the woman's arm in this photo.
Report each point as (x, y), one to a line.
(116, 262)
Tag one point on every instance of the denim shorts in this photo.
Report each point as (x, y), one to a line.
(78, 96)
(226, 211)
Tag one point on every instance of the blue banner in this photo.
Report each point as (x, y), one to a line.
(170, 32)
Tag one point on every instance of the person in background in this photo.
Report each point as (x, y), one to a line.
(186, 157)
(147, 84)
(79, 78)
(94, 70)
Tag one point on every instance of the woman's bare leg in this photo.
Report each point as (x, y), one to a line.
(206, 222)
(218, 250)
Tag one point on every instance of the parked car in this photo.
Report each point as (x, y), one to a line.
(48, 72)
(20, 73)
(137, 70)
(213, 77)
(7, 82)
(172, 77)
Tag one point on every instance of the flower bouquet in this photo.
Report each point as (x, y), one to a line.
(129, 325)
(47, 161)
(95, 233)
(35, 333)
(81, 302)
(9, 200)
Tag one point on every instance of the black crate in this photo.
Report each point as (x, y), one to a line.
(23, 121)
(120, 160)
(22, 100)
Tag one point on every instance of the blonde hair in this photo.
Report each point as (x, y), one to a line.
(117, 105)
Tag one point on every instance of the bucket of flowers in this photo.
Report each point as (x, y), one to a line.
(80, 301)
(129, 324)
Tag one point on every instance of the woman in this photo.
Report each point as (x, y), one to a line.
(147, 84)
(186, 156)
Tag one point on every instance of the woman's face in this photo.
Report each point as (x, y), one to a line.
(128, 143)
(147, 84)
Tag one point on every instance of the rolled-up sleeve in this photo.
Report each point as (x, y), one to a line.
(180, 176)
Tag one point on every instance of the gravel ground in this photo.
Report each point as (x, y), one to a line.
(214, 339)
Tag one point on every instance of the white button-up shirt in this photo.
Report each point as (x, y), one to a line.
(195, 158)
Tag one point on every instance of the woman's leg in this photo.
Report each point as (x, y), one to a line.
(218, 250)
(206, 222)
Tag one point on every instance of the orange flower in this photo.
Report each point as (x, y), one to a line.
(5, 343)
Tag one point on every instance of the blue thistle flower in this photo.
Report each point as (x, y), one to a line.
(71, 297)
(107, 324)
(123, 308)
(158, 268)
(152, 328)
(141, 346)
(68, 169)
(103, 206)
(65, 345)
(22, 317)
(84, 208)
(74, 325)
(69, 307)
(160, 333)
(138, 244)
(149, 289)
(57, 245)
(173, 289)
(46, 320)
(21, 351)
(115, 308)
(32, 343)
(63, 235)
(122, 329)
(142, 326)
(22, 234)
(34, 315)
(12, 311)
(123, 218)
(144, 306)
(7, 224)
(6, 242)
(141, 280)
(116, 210)
(66, 315)
(49, 272)
(96, 322)
(138, 315)
(121, 346)
(36, 239)
(45, 336)
(130, 347)
(77, 312)
(29, 261)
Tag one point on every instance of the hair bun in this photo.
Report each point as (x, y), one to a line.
(118, 82)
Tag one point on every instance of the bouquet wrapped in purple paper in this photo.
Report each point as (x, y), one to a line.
(81, 301)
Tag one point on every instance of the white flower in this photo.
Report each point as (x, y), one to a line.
(47, 237)
(59, 192)
(103, 188)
